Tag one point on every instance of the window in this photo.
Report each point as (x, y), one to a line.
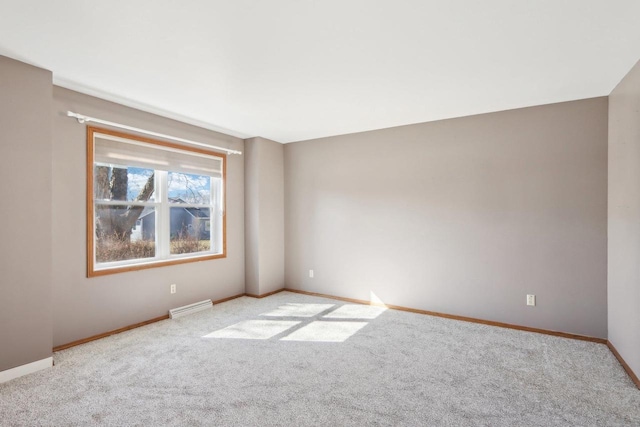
(151, 203)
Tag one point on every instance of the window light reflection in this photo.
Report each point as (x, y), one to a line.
(254, 329)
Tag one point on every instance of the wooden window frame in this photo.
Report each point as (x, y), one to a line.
(91, 236)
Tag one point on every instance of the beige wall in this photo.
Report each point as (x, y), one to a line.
(463, 216)
(25, 213)
(264, 206)
(85, 307)
(624, 218)
(251, 217)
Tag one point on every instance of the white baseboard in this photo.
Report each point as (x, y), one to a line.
(29, 368)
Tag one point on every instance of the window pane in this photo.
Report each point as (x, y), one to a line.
(152, 202)
(188, 188)
(113, 182)
(124, 232)
(190, 230)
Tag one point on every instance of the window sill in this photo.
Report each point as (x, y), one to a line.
(96, 272)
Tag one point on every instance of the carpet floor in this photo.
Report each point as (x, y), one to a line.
(297, 360)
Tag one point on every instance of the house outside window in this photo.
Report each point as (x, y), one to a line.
(151, 203)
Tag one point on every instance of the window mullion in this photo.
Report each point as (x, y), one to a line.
(216, 240)
(163, 223)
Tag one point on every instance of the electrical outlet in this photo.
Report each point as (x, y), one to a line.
(311, 273)
(531, 300)
(173, 288)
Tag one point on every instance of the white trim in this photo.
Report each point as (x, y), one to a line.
(125, 202)
(27, 369)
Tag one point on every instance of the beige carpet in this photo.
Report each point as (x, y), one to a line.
(296, 360)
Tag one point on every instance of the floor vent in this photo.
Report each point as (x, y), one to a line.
(189, 309)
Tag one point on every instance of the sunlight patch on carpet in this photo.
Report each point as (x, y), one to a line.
(325, 331)
(253, 329)
(298, 310)
(356, 311)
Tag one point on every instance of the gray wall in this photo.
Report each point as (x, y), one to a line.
(624, 218)
(251, 217)
(25, 212)
(463, 216)
(264, 206)
(85, 307)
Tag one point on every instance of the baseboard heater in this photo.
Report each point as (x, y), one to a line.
(190, 309)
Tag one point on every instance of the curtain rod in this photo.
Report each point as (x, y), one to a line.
(86, 119)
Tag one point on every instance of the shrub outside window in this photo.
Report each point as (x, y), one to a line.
(151, 203)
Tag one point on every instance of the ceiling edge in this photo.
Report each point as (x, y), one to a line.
(68, 84)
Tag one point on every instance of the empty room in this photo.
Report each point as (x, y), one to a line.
(301, 213)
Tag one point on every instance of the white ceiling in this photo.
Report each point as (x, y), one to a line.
(291, 70)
